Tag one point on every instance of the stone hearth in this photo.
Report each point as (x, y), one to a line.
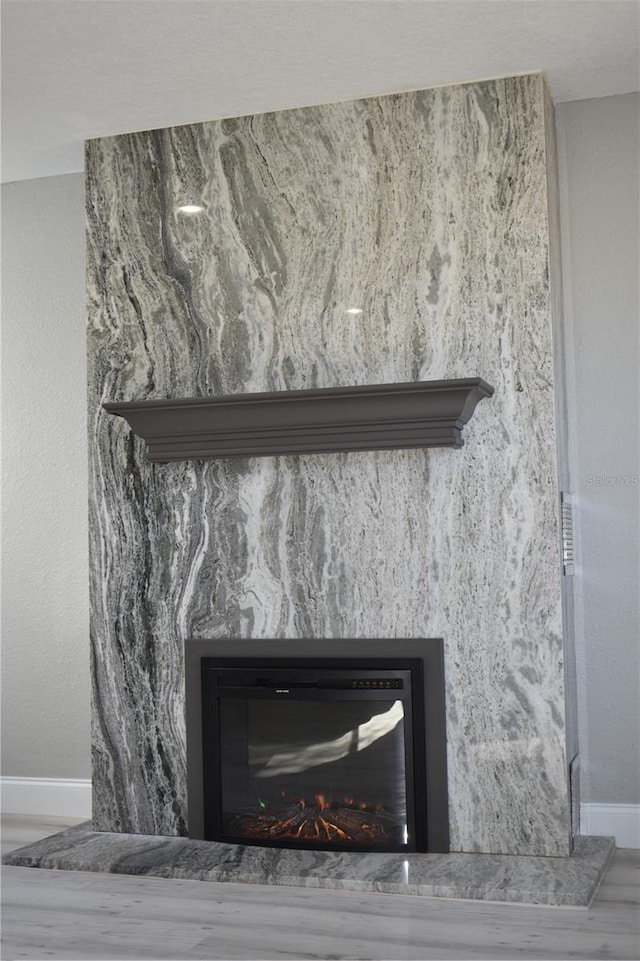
(569, 882)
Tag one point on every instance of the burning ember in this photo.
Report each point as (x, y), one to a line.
(324, 820)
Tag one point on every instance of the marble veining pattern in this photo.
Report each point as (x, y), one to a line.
(428, 211)
(558, 881)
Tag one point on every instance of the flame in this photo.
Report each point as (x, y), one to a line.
(323, 802)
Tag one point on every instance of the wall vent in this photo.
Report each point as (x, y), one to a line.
(566, 516)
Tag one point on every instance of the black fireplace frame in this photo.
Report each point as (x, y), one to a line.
(432, 820)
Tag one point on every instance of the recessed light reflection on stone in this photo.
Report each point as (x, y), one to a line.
(190, 208)
(354, 311)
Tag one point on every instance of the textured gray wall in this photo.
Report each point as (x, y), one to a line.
(599, 163)
(429, 211)
(45, 619)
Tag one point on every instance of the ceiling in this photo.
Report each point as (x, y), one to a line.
(74, 69)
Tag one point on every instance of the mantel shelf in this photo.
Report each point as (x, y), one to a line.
(376, 417)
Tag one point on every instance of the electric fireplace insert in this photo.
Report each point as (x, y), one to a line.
(313, 754)
(317, 753)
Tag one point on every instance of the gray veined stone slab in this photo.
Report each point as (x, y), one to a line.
(428, 211)
(570, 881)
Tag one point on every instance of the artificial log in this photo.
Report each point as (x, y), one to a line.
(299, 822)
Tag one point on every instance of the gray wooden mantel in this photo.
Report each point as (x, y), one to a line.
(376, 417)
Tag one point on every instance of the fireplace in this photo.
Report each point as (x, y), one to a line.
(339, 752)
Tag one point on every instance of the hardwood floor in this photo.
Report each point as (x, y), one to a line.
(71, 915)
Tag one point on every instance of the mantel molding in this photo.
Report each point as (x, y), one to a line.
(376, 417)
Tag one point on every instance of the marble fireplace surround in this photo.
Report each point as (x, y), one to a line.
(434, 213)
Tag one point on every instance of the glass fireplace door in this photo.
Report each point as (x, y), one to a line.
(310, 758)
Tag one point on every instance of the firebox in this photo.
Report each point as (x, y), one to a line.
(314, 755)
(328, 753)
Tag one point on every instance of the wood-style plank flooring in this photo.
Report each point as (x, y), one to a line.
(72, 915)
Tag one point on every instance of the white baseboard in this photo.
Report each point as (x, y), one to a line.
(621, 821)
(55, 797)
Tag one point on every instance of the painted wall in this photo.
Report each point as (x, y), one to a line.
(45, 656)
(43, 253)
(428, 210)
(599, 162)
